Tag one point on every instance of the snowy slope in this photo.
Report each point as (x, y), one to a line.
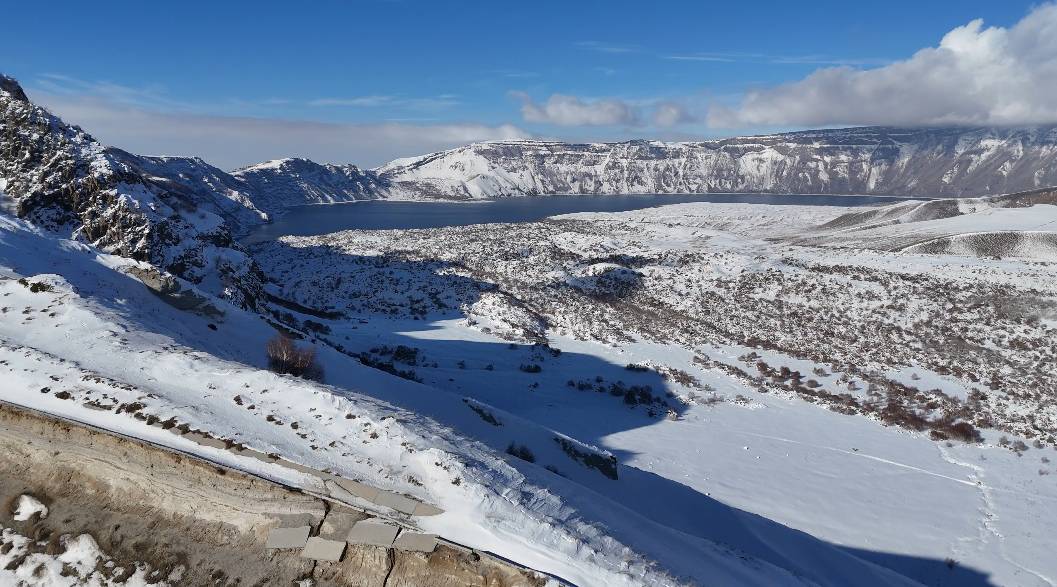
(92, 334)
(817, 388)
(1022, 225)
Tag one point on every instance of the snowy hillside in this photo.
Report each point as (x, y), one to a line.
(697, 394)
(929, 162)
(1022, 225)
(81, 329)
(899, 405)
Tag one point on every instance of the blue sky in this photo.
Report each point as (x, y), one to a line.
(145, 74)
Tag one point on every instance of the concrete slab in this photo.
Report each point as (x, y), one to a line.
(373, 532)
(424, 509)
(204, 440)
(287, 537)
(358, 489)
(338, 524)
(288, 520)
(255, 454)
(321, 549)
(338, 493)
(299, 467)
(416, 542)
(396, 501)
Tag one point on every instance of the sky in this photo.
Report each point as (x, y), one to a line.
(365, 82)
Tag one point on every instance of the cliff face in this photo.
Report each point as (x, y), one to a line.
(290, 182)
(59, 177)
(955, 162)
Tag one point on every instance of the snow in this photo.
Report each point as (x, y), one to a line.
(885, 494)
(28, 506)
(23, 564)
(121, 344)
(624, 319)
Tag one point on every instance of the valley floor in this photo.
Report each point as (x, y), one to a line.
(746, 341)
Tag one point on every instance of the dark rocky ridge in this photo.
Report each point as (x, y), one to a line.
(63, 180)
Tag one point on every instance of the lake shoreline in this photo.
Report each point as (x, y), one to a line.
(385, 214)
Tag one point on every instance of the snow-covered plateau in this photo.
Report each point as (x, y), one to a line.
(696, 394)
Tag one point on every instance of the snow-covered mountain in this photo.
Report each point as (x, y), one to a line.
(874, 160)
(955, 161)
(653, 397)
(176, 213)
(282, 183)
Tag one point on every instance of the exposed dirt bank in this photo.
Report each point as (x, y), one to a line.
(143, 504)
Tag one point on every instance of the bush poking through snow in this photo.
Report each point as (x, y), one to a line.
(521, 451)
(36, 286)
(286, 357)
(483, 413)
(607, 464)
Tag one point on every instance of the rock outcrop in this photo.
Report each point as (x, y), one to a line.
(63, 180)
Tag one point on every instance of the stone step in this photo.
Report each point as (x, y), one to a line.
(287, 537)
(373, 532)
(321, 549)
(416, 542)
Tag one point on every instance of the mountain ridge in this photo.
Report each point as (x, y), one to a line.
(942, 162)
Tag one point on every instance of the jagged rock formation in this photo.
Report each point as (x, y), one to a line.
(149, 209)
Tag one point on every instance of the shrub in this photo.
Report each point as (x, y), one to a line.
(36, 286)
(531, 368)
(286, 357)
(483, 413)
(405, 354)
(317, 327)
(388, 367)
(605, 464)
(521, 451)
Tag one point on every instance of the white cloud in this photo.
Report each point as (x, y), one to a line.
(564, 110)
(232, 141)
(607, 47)
(365, 101)
(775, 59)
(976, 75)
(668, 114)
(428, 103)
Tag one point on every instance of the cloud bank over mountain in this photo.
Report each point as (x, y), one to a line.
(976, 75)
(233, 141)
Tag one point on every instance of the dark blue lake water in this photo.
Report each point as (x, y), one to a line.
(384, 214)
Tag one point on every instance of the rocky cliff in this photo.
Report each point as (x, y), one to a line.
(149, 209)
(931, 162)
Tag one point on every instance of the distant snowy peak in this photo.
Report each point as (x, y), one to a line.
(871, 160)
(282, 183)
